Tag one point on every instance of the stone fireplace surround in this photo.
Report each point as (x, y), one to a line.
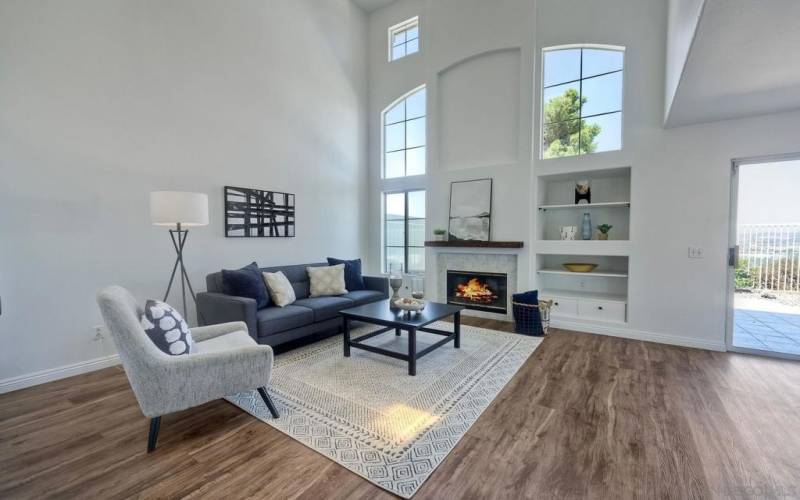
(479, 263)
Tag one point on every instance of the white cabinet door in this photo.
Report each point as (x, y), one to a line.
(563, 307)
(601, 310)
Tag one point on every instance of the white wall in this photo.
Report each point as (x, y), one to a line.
(103, 101)
(680, 177)
(481, 54)
(682, 19)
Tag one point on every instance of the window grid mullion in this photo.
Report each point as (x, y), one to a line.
(405, 242)
(579, 79)
(580, 104)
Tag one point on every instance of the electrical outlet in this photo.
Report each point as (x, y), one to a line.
(696, 252)
(99, 333)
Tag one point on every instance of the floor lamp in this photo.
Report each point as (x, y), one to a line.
(181, 210)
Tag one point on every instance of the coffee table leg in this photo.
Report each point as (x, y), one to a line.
(412, 351)
(457, 329)
(397, 331)
(346, 328)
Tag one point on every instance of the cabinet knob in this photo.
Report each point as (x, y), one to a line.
(555, 303)
(600, 307)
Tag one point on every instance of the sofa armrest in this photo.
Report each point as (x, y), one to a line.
(214, 308)
(377, 283)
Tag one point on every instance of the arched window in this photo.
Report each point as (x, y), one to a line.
(581, 100)
(404, 136)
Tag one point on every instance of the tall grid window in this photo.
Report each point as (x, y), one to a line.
(404, 230)
(404, 39)
(404, 136)
(581, 100)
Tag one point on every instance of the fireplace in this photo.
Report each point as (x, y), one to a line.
(479, 291)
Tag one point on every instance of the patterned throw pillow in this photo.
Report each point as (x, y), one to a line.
(280, 289)
(352, 273)
(166, 328)
(326, 280)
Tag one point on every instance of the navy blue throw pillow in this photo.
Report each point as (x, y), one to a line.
(352, 273)
(531, 297)
(166, 328)
(246, 282)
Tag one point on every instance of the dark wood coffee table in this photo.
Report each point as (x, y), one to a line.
(380, 313)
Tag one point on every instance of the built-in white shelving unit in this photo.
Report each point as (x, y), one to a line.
(611, 195)
(585, 206)
(583, 295)
(592, 274)
(600, 296)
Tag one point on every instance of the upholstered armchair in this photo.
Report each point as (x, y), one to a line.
(225, 360)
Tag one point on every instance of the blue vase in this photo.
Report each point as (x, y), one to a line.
(586, 229)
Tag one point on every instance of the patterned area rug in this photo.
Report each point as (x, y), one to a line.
(367, 414)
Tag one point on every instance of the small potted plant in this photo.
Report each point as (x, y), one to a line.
(604, 229)
(439, 234)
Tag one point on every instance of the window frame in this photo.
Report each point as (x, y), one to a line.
(406, 233)
(405, 132)
(621, 111)
(400, 27)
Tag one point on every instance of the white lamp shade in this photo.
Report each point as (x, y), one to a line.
(168, 208)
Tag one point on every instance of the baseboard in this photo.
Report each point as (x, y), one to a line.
(628, 333)
(51, 374)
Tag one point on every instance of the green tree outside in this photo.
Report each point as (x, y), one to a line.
(565, 133)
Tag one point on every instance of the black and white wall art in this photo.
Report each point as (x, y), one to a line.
(470, 210)
(251, 213)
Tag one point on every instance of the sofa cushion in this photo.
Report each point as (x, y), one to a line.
(325, 307)
(246, 282)
(273, 320)
(361, 297)
(352, 273)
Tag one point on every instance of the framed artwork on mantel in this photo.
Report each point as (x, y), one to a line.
(254, 213)
(470, 210)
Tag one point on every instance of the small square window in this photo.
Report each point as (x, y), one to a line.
(404, 39)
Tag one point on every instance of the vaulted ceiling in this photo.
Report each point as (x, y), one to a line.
(744, 60)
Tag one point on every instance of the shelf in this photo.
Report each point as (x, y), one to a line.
(584, 247)
(596, 274)
(474, 244)
(580, 294)
(586, 205)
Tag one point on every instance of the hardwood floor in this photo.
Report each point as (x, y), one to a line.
(586, 416)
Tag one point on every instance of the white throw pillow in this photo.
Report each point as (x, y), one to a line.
(326, 280)
(280, 289)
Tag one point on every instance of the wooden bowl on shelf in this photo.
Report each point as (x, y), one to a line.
(579, 267)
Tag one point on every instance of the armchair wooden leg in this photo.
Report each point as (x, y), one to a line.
(155, 423)
(268, 402)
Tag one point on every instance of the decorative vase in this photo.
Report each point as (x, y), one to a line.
(586, 229)
(602, 236)
(439, 237)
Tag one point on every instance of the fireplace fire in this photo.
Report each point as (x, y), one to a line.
(479, 291)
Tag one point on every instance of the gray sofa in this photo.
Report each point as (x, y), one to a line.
(274, 325)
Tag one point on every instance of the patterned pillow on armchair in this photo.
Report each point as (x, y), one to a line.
(166, 328)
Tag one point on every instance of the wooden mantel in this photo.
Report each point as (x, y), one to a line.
(474, 244)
